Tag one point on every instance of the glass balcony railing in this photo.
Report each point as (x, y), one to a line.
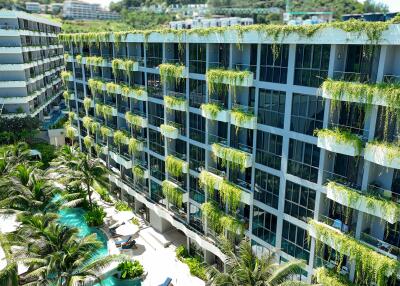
(381, 245)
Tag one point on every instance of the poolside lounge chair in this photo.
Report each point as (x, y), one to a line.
(167, 282)
(124, 241)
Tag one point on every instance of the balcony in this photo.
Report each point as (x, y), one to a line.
(229, 77)
(122, 160)
(169, 131)
(136, 120)
(381, 246)
(236, 158)
(175, 101)
(339, 141)
(384, 154)
(243, 119)
(214, 111)
(364, 202)
(137, 93)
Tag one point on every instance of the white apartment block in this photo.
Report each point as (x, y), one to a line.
(86, 11)
(31, 60)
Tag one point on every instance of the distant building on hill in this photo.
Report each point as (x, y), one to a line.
(201, 22)
(32, 7)
(78, 10)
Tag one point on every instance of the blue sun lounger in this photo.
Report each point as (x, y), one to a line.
(166, 282)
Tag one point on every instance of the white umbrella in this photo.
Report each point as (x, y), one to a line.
(127, 229)
(123, 216)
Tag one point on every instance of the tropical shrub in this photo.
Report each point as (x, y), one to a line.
(95, 216)
(130, 269)
(122, 206)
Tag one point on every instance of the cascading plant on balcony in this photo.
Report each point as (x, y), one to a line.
(208, 182)
(87, 122)
(112, 88)
(120, 138)
(78, 59)
(174, 166)
(66, 57)
(104, 110)
(71, 116)
(105, 132)
(392, 150)
(95, 86)
(172, 193)
(236, 158)
(217, 79)
(167, 129)
(212, 109)
(330, 278)
(138, 173)
(170, 72)
(341, 136)
(70, 132)
(134, 120)
(230, 195)
(65, 76)
(94, 61)
(87, 102)
(115, 66)
(67, 97)
(94, 126)
(370, 265)
(241, 117)
(133, 146)
(174, 102)
(88, 142)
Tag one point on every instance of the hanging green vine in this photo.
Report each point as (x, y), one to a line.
(209, 182)
(65, 77)
(342, 136)
(87, 102)
(211, 110)
(370, 265)
(120, 138)
(240, 117)
(230, 195)
(112, 88)
(134, 120)
(67, 97)
(327, 277)
(105, 132)
(88, 142)
(87, 122)
(219, 221)
(174, 166)
(104, 110)
(172, 193)
(236, 158)
(134, 145)
(95, 86)
(78, 59)
(138, 173)
(217, 79)
(169, 72)
(173, 102)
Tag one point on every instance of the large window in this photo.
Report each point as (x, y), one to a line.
(307, 113)
(197, 95)
(274, 63)
(299, 201)
(157, 168)
(271, 107)
(154, 87)
(264, 225)
(197, 58)
(156, 114)
(153, 54)
(197, 157)
(156, 193)
(156, 142)
(295, 242)
(266, 189)
(197, 125)
(303, 160)
(196, 193)
(269, 149)
(312, 62)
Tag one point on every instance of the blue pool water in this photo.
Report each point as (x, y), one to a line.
(112, 281)
(74, 217)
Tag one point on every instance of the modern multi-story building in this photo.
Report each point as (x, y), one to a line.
(76, 10)
(217, 132)
(33, 7)
(31, 60)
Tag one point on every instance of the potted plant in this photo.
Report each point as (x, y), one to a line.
(130, 270)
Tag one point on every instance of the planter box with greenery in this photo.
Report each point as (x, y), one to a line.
(136, 93)
(365, 202)
(169, 131)
(136, 120)
(172, 72)
(175, 166)
(339, 141)
(140, 172)
(175, 103)
(172, 193)
(236, 158)
(370, 265)
(383, 153)
(243, 119)
(213, 111)
(229, 77)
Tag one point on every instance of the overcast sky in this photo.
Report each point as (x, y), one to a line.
(394, 5)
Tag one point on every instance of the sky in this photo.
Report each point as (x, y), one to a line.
(394, 5)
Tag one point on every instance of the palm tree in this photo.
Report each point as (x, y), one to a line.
(9, 274)
(79, 169)
(57, 255)
(12, 155)
(247, 269)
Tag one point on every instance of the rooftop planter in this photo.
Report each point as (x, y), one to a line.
(172, 193)
(367, 203)
(105, 110)
(220, 222)
(214, 111)
(243, 119)
(175, 166)
(136, 93)
(218, 77)
(237, 158)
(385, 94)
(169, 131)
(383, 153)
(136, 120)
(175, 103)
(339, 141)
(135, 146)
(370, 265)
(170, 72)
(210, 182)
